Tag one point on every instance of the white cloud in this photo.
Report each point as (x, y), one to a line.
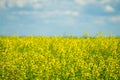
(2, 4)
(109, 1)
(106, 19)
(99, 21)
(24, 12)
(109, 8)
(11, 17)
(105, 1)
(20, 3)
(66, 21)
(37, 6)
(115, 19)
(85, 2)
(10, 3)
(33, 1)
(105, 4)
(48, 13)
(62, 3)
(73, 13)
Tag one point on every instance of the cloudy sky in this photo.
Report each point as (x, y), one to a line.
(56, 17)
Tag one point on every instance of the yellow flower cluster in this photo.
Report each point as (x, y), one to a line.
(59, 58)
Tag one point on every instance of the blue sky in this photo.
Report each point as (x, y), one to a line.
(59, 17)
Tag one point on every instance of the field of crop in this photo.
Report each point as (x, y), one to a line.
(59, 58)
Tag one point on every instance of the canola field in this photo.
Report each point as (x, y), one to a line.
(59, 58)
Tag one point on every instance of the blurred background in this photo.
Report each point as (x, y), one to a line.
(59, 17)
